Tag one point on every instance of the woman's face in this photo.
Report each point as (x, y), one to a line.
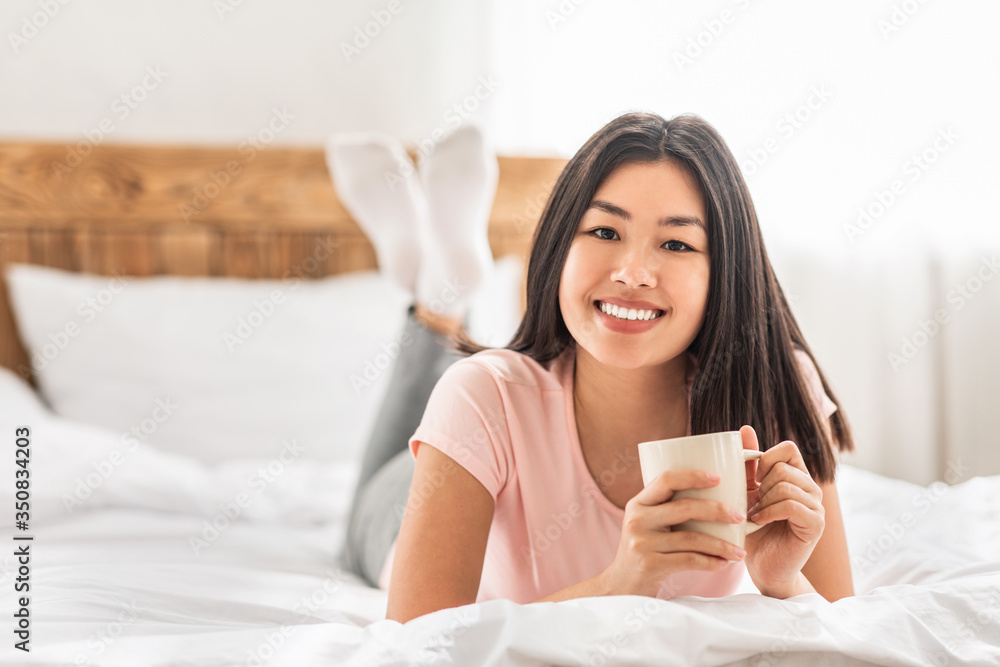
(642, 245)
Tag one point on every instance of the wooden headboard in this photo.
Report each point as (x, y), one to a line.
(204, 211)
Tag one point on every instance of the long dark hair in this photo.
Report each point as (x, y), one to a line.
(747, 372)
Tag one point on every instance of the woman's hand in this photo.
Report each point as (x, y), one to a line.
(650, 550)
(782, 495)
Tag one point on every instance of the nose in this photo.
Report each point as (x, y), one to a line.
(635, 268)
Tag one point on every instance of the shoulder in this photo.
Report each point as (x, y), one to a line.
(813, 382)
(507, 367)
(805, 362)
(807, 367)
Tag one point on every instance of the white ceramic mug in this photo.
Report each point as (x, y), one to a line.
(721, 453)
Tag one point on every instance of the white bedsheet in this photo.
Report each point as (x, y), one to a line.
(118, 581)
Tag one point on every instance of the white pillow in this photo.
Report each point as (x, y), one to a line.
(224, 368)
(78, 467)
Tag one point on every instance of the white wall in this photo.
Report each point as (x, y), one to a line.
(561, 68)
(227, 69)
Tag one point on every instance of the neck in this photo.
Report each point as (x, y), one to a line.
(626, 407)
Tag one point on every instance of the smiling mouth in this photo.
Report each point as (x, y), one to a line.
(628, 313)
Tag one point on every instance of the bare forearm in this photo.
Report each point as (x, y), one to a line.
(588, 588)
(800, 586)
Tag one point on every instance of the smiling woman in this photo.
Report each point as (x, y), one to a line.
(631, 254)
(652, 312)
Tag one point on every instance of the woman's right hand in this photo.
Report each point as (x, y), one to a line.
(650, 549)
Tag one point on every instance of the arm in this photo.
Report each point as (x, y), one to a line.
(589, 588)
(828, 570)
(443, 543)
(442, 540)
(788, 504)
(829, 567)
(650, 550)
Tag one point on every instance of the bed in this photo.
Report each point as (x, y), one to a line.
(208, 537)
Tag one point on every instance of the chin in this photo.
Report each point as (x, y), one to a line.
(624, 359)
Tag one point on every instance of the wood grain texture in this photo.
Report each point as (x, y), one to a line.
(204, 211)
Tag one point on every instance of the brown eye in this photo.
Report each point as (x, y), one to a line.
(598, 233)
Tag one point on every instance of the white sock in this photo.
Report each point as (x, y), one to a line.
(459, 178)
(379, 186)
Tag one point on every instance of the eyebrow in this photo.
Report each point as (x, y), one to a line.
(669, 221)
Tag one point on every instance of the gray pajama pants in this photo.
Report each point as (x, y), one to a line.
(387, 466)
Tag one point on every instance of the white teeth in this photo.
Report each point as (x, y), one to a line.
(629, 313)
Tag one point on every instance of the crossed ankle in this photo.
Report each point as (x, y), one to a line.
(441, 324)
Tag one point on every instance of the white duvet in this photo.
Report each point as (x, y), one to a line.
(161, 565)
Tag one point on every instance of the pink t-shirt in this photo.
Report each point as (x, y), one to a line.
(510, 422)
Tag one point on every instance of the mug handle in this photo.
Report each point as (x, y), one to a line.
(752, 455)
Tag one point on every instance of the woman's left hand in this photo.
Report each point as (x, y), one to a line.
(782, 496)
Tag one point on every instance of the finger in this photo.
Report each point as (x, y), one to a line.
(690, 541)
(662, 487)
(679, 510)
(786, 491)
(749, 437)
(785, 451)
(805, 523)
(783, 472)
(688, 560)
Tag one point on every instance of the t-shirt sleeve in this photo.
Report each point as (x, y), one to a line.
(465, 419)
(815, 386)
